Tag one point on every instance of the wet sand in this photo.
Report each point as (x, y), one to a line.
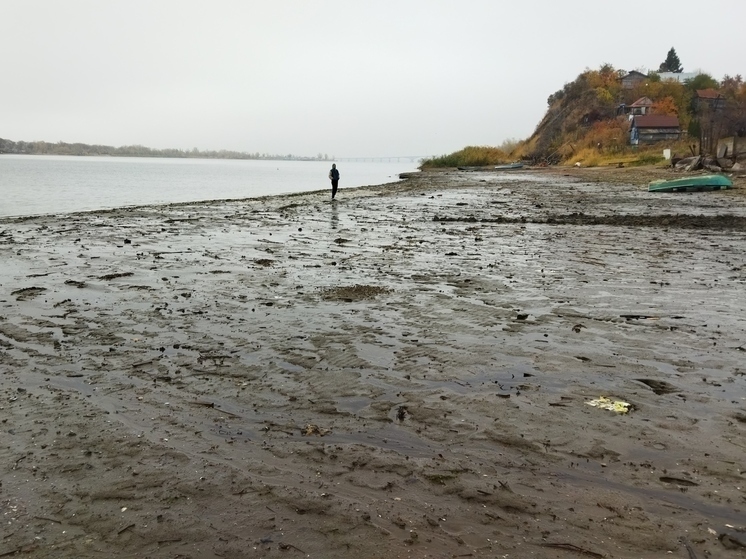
(402, 373)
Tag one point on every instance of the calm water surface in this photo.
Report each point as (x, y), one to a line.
(39, 184)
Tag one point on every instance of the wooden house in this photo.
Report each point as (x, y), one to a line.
(633, 79)
(648, 129)
(641, 107)
(709, 98)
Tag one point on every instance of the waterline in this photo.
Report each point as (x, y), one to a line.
(38, 184)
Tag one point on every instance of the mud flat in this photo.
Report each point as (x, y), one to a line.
(403, 373)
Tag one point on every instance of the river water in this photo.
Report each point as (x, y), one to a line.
(39, 184)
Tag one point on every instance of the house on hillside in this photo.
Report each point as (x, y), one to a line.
(641, 107)
(710, 98)
(648, 129)
(633, 79)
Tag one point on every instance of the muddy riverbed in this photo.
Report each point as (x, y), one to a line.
(402, 373)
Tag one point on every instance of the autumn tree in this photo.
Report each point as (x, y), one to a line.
(609, 135)
(669, 97)
(665, 106)
(671, 63)
(730, 86)
(733, 90)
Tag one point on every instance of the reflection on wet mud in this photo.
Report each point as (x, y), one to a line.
(334, 215)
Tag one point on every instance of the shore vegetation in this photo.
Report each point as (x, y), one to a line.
(470, 156)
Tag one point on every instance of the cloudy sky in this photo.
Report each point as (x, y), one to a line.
(342, 77)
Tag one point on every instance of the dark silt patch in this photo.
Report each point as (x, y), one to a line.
(677, 221)
(353, 292)
(27, 293)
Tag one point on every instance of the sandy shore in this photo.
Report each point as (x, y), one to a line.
(403, 373)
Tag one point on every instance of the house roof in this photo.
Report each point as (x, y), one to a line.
(708, 93)
(656, 121)
(643, 102)
(634, 74)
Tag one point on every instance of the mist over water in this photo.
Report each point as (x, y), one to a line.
(31, 185)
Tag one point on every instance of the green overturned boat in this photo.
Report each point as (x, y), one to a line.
(691, 184)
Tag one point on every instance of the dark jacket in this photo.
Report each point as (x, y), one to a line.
(334, 174)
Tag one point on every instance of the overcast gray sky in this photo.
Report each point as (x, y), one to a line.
(342, 77)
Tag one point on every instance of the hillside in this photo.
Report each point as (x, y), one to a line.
(590, 116)
(588, 120)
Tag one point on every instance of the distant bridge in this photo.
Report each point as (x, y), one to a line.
(392, 158)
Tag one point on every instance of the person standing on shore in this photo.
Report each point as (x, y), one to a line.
(334, 177)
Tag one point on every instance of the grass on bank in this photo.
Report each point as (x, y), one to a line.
(627, 156)
(630, 156)
(591, 157)
(470, 156)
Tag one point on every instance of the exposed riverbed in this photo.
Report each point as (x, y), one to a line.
(402, 373)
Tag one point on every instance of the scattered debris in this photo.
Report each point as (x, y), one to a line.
(311, 429)
(689, 164)
(205, 404)
(125, 528)
(605, 403)
(689, 548)
(286, 546)
(48, 519)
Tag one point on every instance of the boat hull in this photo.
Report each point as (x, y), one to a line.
(509, 167)
(691, 184)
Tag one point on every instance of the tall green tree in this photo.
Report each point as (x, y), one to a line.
(671, 63)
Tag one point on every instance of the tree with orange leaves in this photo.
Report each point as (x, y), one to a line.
(665, 106)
